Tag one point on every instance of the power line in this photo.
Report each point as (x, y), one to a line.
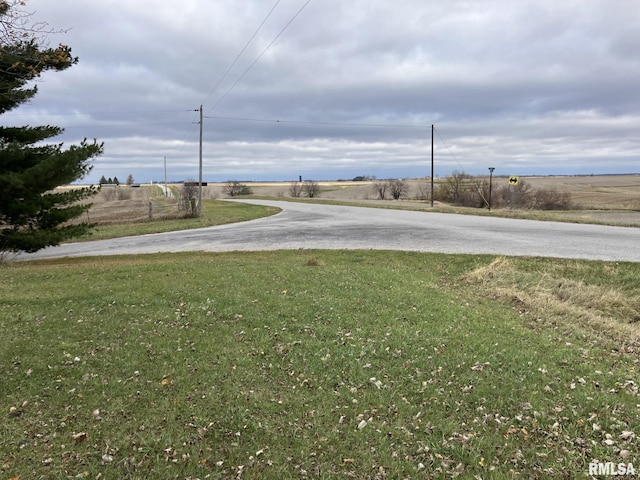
(260, 56)
(96, 123)
(447, 147)
(241, 51)
(69, 114)
(303, 122)
(255, 61)
(104, 123)
(190, 133)
(123, 125)
(223, 118)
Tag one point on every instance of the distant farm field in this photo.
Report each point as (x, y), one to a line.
(598, 192)
(607, 199)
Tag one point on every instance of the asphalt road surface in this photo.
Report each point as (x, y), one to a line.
(314, 226)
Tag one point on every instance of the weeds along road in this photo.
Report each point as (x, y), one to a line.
(314, 226)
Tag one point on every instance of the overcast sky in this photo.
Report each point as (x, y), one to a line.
(348, 88)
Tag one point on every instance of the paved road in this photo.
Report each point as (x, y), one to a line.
(313, 226)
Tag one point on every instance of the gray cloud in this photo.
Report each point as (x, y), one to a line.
(527, 87)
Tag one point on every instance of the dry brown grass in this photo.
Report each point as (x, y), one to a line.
(599, 192)
(124, 205)
(613, 192)
(607, 199)
(546, 294)
(610, 199)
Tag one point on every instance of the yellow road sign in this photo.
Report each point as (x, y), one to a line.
(513, 180)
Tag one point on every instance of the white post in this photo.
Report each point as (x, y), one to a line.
(166, 192)
(200, 177)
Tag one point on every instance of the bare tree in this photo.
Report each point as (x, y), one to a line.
(398, 189)
(295, 189)
(468, 191)
(130, 180)
(519, 196)
(479, 193)
(380, 189)
(424, 191)
(234, 188)
(454, 186)
(16, 24)
(552, 199)
(189, 197)
(311, 188)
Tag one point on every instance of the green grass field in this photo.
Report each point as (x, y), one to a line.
(315, 364)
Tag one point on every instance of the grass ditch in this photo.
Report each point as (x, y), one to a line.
(596, 300)
(317, 364)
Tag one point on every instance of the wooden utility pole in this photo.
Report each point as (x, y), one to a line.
(200, 174)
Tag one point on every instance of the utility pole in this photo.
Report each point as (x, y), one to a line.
(432, 128)
(200, 174)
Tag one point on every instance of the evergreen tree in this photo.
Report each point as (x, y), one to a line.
(116, 181)
(32, 215)
(103, 180)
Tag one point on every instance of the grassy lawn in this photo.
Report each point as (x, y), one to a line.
(316, 364)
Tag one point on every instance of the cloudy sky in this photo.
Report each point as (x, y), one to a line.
(332, 89)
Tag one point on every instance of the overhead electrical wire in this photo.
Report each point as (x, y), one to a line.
(310, 122)
(132, 112)
(122, 125)
(246, 45)
(259, 56)
(237, 81)
(447, 147)
(99, 123)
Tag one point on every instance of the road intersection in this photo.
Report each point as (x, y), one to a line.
(316, 226)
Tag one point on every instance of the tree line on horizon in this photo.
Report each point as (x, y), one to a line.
(114, 181)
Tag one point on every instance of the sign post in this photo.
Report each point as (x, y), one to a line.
(514, 180)
(491, 169)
